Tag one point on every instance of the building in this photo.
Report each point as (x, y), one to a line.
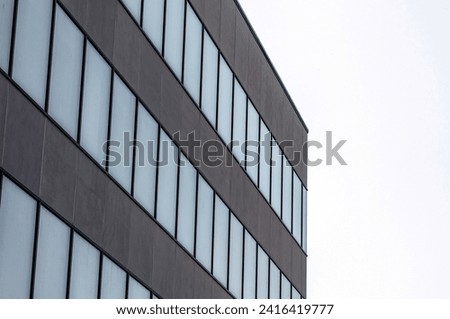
(110, 112)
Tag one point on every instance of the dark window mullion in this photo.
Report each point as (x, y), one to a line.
(108, 139)
(163, 41)
(184, 44)
(83, 71)
(229, 250)
(216, 124)
(50, 55)
(157, 171)
(201, 69)
(177, 205)
(133, 163)
(196, 214)
(100, 272)
(141, 18)
(13, 38)
(35, 249)
(69, 264)
(243, 261)
(213, 231)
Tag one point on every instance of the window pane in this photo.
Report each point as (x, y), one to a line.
(114, 280)
(295, 293)
(134, 6)
(192, 54)
(153, 21)
(274, 281)
(285, 288)
(225, 101)
(236, 246)
(204, 223)
(275, 193)
(85, 269)
(249, 267)
(32, 47)
(239, 121)
(252, 143)
(297, 209)
(167, 183)
(145, 161)
(173, 41)
(209, 78)
(264, 161)
(94, 126)
(52, 257)
(287, 194)
(263, 274)
(122, 133)
(221, 241)
(6, 18)
(304, 218)
(186, 209)
(17, 221)
(136, 290)
(65, 81)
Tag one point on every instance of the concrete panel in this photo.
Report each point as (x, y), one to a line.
(24, 139)
(228, 30)
(253, 88)
(171, 102)
(198, 6)
(211, 18)
(140, 245)
(90, 197)
(241, 50)
(117, 219)
(164, 264)
(100, 24)
(78, 8)
(184, 278)
(127, 47)
(218, 292)
(203, 284)
(59, 172)
(4, 88)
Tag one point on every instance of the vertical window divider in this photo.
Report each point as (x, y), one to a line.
(246, 134)
(243, 261)
(83, 71)
(133, 163)
(177, 204)
(281, 279)
(157, 172)
(127, 286)
(196, 214)
(201, 69)
(13, 38)
(216, 124)
(282, 185)
(69, 263)
(268, 275)
(232, 115)
(164, 29)
(184, 44)
(108, 139)
(292, 202)
(301, 215)
(1, 187)
(35, 248)
(271, 169)
(228, 248)
(213, 231)
(100, 272)
(256, 271)
(141, 18)
(259, 152)
(50, 55)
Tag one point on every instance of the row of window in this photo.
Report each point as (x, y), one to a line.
(94, 106)
(177, 33)
(42, 257)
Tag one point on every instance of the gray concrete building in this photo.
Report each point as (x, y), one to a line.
(148, 149)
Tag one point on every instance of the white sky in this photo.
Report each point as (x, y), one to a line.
(376, 73)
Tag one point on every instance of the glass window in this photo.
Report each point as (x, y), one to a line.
(275, 193)
(154, 296)
(295, 293)
(263, 274)
(264, 161)
(94, 125)
(136, 290)
(32, 47)
(145, 160)
(122, 133)
(114, 280)
(287, 194)
(153, 21)
(52, 257)
(204, 223)
(236, 246)
(186, 207)
(274, 281)
(209, 78)
(225, 101)
(297, 210)
(221, 218)
(252, 142)
(304, 217)
(67, 59)
(134, 6)
(239, 121)
(6, 19)
(249, 266)
(17, 222)
(167, 183)
(173, 35)
(192, 54)
(285, 288)
(85, 269)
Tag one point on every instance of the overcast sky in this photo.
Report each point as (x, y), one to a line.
(377, 74)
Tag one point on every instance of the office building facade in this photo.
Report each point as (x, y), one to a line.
(148, 149)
